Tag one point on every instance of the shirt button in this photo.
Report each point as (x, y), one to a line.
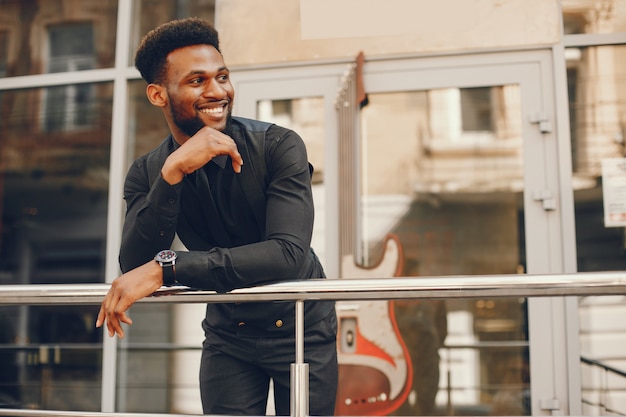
(241, 323)
(171, 201)
(162, 233)
(279, 323)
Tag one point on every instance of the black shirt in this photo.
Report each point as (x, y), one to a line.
(215, 217)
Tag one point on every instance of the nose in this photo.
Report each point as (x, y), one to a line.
(215, 90)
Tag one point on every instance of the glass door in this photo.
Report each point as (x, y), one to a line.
(454, 172)
(442, 170)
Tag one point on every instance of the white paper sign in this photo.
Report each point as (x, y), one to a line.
(614, 191)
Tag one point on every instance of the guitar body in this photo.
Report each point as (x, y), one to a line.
(375, 371)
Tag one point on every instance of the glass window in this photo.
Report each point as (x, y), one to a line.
(67, 108)
(476, 109)
(148, 375)
(146, 125)
(54, 196)
(70, 49)
(54, 191)
(50, 358)
(471, 118)
(597, 107)
(40, 17)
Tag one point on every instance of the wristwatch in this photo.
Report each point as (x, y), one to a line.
(167, 260)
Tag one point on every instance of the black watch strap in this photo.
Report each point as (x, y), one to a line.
(167, 260)
(169, 274)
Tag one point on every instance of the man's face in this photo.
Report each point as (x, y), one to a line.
(199, 89)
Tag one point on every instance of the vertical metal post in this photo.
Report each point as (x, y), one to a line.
(299, 403)
(116, 184)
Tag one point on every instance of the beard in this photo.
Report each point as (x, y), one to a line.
(190, 125)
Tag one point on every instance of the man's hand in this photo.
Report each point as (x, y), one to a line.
(125, 290)
(197, 151)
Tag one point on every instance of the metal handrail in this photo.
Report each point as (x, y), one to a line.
(525, 285)
(492, 286)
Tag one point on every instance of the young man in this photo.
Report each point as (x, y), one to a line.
(237, 192)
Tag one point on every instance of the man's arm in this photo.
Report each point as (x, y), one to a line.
(151, 216)
(152, 209)
(150, 223)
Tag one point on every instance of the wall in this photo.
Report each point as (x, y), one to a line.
(331, 29)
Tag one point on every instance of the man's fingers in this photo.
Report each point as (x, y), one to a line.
(125, 290)
(117, 316)
(237, 163)
(112, 322)
(112, 312)
(231, 150)
(125, 319)
(100, 318)
(116, 326)
(113, 325)
(236, 158)
(223, 144)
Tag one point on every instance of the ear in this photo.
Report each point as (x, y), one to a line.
(157, 95)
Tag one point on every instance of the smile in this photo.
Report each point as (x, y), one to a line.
(213, 111)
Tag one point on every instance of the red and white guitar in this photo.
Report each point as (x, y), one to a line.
(375, 371)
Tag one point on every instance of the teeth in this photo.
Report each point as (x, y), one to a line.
(217, 110)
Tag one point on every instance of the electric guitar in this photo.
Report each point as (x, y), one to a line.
(375, 371)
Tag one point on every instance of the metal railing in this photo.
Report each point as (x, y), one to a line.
(538, 285)
(602, 403)
(462, 286)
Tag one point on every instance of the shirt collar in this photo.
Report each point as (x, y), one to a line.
(220, 160)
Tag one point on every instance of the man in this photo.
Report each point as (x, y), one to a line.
(237, 192)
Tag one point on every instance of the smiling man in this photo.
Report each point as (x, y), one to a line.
(237, 192)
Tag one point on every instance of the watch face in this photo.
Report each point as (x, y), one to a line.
(166, 256)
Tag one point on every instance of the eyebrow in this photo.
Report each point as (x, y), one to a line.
(200, 72)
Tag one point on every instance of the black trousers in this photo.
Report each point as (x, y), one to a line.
(235, 371)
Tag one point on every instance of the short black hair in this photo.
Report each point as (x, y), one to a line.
(156, 45)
